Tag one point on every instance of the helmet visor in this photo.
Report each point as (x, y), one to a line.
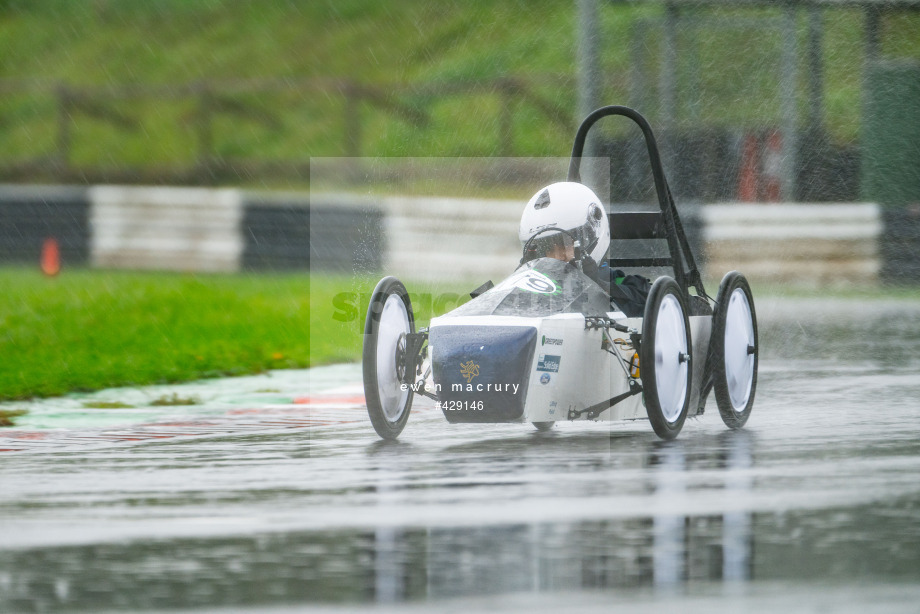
(550, 244)
(587, 234)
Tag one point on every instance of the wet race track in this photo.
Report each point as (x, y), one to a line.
(273, 500)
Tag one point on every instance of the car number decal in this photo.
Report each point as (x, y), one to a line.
(530, 281)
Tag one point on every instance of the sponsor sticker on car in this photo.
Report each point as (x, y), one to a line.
(548, 363)
(530, 281)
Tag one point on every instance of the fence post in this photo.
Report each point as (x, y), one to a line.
(508, 91)
(788, 104)
(667, 84)
(64, 127)
(588, 72)
(204, 132)
(352, 120)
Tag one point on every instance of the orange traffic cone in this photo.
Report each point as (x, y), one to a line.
(51, 257)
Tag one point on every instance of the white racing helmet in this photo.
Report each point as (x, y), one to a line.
(570, 207)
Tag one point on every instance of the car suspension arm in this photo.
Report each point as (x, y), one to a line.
(591, 413)
(416, 351)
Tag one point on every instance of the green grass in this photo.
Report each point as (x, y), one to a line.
(107, 43)
(87, 330)
(173, 400)
(856, 291)
(8, 416)
(106, 405)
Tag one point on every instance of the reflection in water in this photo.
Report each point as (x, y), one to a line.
(737, 536)
(388, 565)
(662, 551)
(389, 581)
(669, 529)
(666, 550)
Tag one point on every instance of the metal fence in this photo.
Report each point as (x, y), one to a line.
(206, 113)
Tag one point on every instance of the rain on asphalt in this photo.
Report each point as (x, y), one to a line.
(814, 506)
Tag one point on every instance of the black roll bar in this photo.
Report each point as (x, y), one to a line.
(686, 272)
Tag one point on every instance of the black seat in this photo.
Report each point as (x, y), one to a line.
(644, 225)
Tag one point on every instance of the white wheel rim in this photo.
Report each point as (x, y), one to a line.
(739, 336)
(394, 322)
(670, 369)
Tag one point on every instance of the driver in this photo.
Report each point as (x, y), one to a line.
(565, 221)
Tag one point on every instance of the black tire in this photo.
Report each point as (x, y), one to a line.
(665, 358)
(734, 358)
(389, 407)
(543, 426)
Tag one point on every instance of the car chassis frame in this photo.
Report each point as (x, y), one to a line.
(684, 346)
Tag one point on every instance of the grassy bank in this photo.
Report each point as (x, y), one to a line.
(87, 330)
(106, 44)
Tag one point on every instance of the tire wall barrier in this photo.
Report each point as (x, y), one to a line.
(900, 245)
(30, 215)
(346, 234)
(436, 238)
(276, 236)
(227, 230)
(802, 244)
(175, 229)
(188, 229)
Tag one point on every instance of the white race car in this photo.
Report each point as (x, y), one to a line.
(547, 344)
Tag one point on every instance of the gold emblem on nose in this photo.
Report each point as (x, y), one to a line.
(469, 370)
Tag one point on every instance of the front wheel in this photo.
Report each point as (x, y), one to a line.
(665, 358)
(734, 350)
(384, 359)
(543, 426)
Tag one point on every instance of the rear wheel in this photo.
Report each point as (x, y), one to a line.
(734, 350)
(384, 360)
(543, 426)
(665, 358)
